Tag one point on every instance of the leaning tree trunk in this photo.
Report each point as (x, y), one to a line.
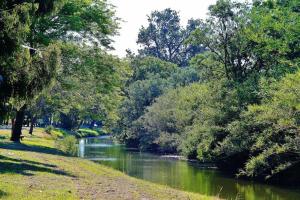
(32, 125)
(17, 125)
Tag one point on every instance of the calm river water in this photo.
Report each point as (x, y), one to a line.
(178, 174)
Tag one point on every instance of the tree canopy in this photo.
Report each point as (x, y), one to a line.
(164, 37)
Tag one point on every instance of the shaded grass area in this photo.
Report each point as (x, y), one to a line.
(32, 148)
(2, 194)
(25, 167)
(36, 170)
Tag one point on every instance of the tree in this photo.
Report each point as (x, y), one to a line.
(269, 132)
(25, 70)
(89, 22)
(252, 41)
(164, 38)
(88, 88)
(222, 34)
(273, 35)
(151, 77)
(32, 25)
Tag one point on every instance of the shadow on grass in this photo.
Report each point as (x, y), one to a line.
(31, 148)
(25, 161)
(27, 167)
(2, 194)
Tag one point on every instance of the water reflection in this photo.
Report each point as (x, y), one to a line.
(178, 174)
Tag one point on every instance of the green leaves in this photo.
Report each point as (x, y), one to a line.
(274, 36)
(164, 38)
(270, 131)
(90, 22)
(89, 86)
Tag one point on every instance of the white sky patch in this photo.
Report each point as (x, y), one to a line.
(134, 14)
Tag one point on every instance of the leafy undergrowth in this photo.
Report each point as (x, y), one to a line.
(80, 133)
(36, 170)
(85, 132)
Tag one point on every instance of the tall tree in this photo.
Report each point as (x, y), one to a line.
(164, 38)
(88, 89)
(222, 35)
(30, 26)
(25, 70)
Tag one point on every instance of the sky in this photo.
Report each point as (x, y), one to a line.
(134, 15)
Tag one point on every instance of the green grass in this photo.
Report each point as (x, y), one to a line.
(35, 169)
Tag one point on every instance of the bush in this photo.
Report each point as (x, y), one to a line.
(270, 132)
(68, 145)
(49, 129)
(185, 117)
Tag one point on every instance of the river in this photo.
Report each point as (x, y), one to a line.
(178, 174)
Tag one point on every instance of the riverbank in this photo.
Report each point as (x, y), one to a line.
(35, 169)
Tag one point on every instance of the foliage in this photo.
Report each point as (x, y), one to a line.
(67, 145)
(270, 131)
(32, 31)
(151, 77)
(222, 34)
(82, 22)
(243, 111)
(164, 38)
(88, 88)
(49, 129)
(274, 36)
(264, 39)
(84, 132)
(181, 113)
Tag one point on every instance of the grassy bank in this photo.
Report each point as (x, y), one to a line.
(80, 133)
(35, 169)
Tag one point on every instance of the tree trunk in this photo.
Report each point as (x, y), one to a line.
(80, 124)
(7, 120)
(17, 125)
(92, 124)
(32, 125)
(27, 122)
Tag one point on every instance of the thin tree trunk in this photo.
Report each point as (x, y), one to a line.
(32, 125)
(17, 125)
(12, 124)
(27, 122)
(7, 120)
(92, 124)
(80, 124)
(51, 119)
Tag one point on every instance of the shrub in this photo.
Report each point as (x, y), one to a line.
(68, 145)
(49, 129)
(270, 132)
